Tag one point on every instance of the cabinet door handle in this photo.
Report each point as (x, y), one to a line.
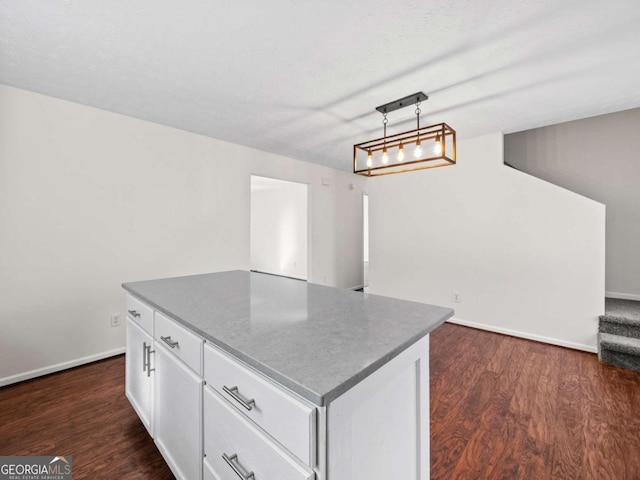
(234, 463)
(169, 342)
(233, 392)
(144, 356)
(147, 355)
(133, 313)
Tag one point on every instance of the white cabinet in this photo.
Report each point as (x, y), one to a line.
(139, 373)
(208, 473)
(236, 447)
(243, 421)
(290, 420)
(164, 385)
(178, 415)
(379, 429)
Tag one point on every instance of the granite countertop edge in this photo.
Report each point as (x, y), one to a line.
(308, 394)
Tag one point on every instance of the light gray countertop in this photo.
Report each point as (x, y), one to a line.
(317, 341)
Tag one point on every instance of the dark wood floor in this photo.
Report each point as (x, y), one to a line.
(80, 412)
(507, 408)
(501, 408)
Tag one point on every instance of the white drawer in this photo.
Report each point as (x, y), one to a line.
(287, 419)
(245, 446)
(184, 344)
(140, 313)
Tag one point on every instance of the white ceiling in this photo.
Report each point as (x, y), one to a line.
(302, 78)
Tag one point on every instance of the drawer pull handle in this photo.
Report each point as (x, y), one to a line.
(234, 463)
(233, 392)
(133, 313)
(169, 342)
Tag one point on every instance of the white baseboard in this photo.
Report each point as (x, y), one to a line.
(528, 336)
(59, 367)
(357, 287)
(622, 296)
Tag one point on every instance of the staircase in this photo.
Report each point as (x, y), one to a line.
(619, 334)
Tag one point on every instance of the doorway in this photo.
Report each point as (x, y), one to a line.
(365, 240)
(279, 227)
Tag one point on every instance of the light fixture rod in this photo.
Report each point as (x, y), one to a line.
(431, 129)
(411, 162)
(403, 102)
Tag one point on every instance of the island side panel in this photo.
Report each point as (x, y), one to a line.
(379, 429)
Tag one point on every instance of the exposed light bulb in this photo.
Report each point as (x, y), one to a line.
(437, 148)
(370, 159)
(401, 153)
(385, 156)
(418, 151)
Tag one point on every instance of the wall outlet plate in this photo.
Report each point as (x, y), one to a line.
(456, 297)
(115, 320)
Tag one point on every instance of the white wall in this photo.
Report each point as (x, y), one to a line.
(279, 227)
(526, 257)
(90, 199)
(597, 157)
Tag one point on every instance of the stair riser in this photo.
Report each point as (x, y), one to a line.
(619, 359)
(632, 331)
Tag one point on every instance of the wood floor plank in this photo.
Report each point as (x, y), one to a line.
(483, 441)
(500, 359)
(569, 442)
(456, 435)
(496, 429)
(534, 463)
(448, 394)
(444, 393)
(545, 399)
(524, 395)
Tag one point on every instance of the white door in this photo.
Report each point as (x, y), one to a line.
(178, 415)
(138, 373)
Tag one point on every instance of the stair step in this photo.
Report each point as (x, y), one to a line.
(622, 360)
(624, 312)
(617, 328)
(618, 343)
(607, 317)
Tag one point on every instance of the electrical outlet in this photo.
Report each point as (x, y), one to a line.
(115, 320)
(457, 298)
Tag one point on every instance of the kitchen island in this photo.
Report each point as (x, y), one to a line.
(253, 376)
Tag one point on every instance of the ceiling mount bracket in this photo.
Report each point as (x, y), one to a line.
(403, 102)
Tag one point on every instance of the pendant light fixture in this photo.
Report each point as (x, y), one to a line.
(432, 146)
